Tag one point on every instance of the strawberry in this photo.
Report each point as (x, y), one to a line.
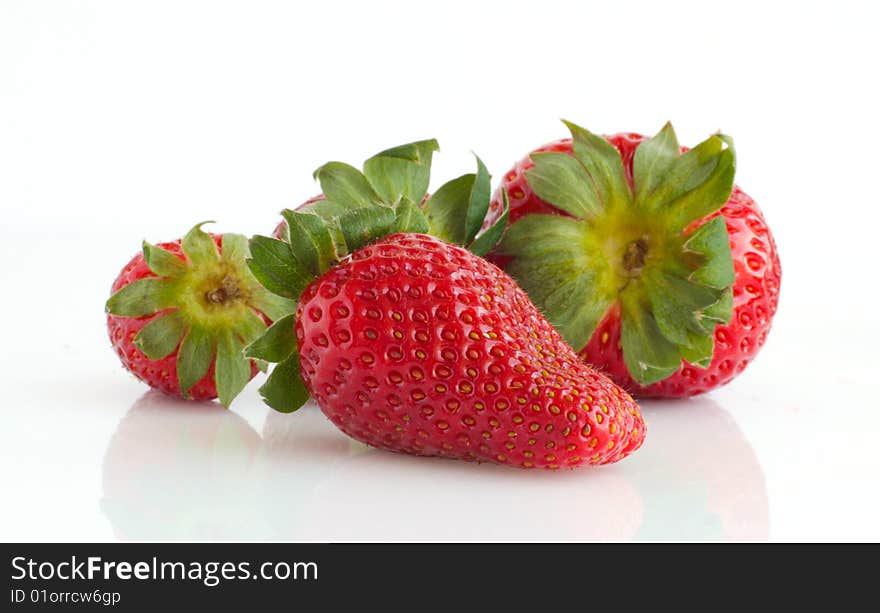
(413, 344)
(181, 312)
(645, 256)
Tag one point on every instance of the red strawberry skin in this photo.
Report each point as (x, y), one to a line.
(158, 374)
(755, 290)
(417, 346)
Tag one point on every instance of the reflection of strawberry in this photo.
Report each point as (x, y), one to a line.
(698, 476)
(643, 258)
(180, 471)
(425, 500)
(299, 451)
(413, 344)
(181, 312)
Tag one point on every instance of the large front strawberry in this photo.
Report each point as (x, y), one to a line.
(181, 312)
(413, 344)
(644, 255)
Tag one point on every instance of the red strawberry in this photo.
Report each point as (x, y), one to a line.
(412, 344)
(181, 312)
(645, 256)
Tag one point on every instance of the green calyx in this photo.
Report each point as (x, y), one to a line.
(359, 207)
(631, 244)
(208, 307)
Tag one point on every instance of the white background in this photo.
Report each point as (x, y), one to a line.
(121, 121)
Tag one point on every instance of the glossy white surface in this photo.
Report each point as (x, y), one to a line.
(216, 112)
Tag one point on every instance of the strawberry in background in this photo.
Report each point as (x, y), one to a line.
(181, 312)
(644, 255)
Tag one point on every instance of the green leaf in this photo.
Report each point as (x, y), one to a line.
(163, 263)
(143, 297)
(649, 356)
(161, 336)
(199, 247)
(603, 163)
(362, 226)
(325, 209)
(248, 326)
(557, 261)
(402, 172)
(271, 305)
(576, 307)
(712, 243)
(234, 249)
(700, 350)
(329, 212)
(232, 371)
(310, 241)
(653, 159)
(195, 357)
(409, 218)
(277, 343)
(273, 264)
(718, 313)
(418, 151)
(446, 209)
(346, 185)
(478, 202)
(696, 184)
(561, 180)
(284, 390)
(676, 304)
(490, 237)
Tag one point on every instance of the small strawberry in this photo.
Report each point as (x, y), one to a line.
(412, 344)
(181, 312)
(644, 255)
